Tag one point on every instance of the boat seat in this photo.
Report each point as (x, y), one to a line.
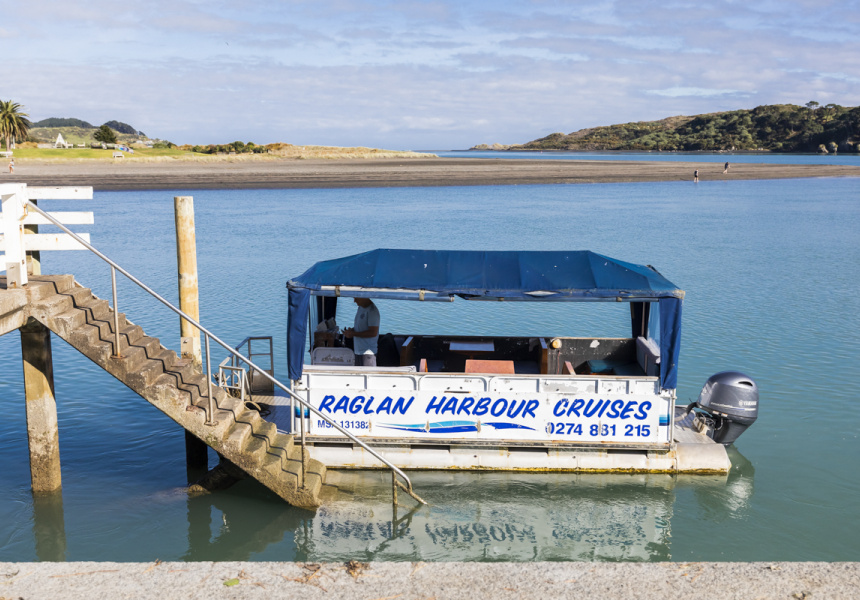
(526, 367)
(648, 356)
(489, 366)
(613, 367)
(332, 356)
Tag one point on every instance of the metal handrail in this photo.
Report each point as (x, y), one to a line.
(210, 412)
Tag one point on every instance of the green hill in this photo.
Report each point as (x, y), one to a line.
(63, 122)
(76, 131)
(777, 128)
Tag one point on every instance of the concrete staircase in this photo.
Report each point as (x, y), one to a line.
(175, 387)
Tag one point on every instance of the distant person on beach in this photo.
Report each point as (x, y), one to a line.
(726, 168)
(12, 166)
(696, 175)
(365, 332)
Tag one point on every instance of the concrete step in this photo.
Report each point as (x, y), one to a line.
(238, 434)
(146, 373)
(232, 407)
(255, 445)
(43, 286)
(132, 357)
(62, 283)
(86, 340)
(285, 441)
(274, 462)
(312, 479)
(51, 305)
(99, 310)
(151, 346)
(81, 294)
(93, 334)
(262, 439)
(66, 322)
(168, 359)
(267, 430)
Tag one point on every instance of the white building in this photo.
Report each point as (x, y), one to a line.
(61, 143)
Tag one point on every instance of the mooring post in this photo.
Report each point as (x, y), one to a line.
(186, 262)
(196, 452)
(42, 429)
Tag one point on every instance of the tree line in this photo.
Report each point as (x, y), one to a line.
(777, 128)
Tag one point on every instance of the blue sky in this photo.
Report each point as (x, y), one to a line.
(414, 74)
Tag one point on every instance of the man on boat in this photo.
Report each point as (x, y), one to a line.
(364, 332)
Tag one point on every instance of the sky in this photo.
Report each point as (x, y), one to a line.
(447, 74)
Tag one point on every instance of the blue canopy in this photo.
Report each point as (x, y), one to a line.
(536, 276)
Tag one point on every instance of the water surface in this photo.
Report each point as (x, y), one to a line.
(770, 271)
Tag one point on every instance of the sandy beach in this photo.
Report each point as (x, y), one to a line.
(339, 173)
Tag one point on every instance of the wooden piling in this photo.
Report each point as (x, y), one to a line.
(186, 259)
(196, 452)
(42, 428)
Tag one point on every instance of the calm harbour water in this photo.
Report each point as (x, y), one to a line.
(770, 271)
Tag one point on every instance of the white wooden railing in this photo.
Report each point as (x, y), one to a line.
(15, 241)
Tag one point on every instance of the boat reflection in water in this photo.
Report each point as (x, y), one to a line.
(514, 517)
(485, 516)
(499, 516)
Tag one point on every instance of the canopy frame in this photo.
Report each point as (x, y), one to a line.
(528, 276)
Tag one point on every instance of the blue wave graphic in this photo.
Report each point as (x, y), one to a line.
(664, 419)
(508, 426)
(417, 427)
(441, 427)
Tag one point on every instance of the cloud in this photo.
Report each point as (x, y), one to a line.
(418, 74)
(679, 92)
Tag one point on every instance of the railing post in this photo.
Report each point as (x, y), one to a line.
(293, 410)
(14, 199)
(116, 353)
(210, 412)
(302, 438)
(34, 257)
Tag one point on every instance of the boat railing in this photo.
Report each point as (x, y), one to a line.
(268, 355)
(238, 356)
(234, 379)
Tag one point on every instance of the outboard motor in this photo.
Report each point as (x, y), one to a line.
(729, 404)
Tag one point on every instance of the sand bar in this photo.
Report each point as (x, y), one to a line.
(130, 174)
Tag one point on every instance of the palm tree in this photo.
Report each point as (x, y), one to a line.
(14, 124)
